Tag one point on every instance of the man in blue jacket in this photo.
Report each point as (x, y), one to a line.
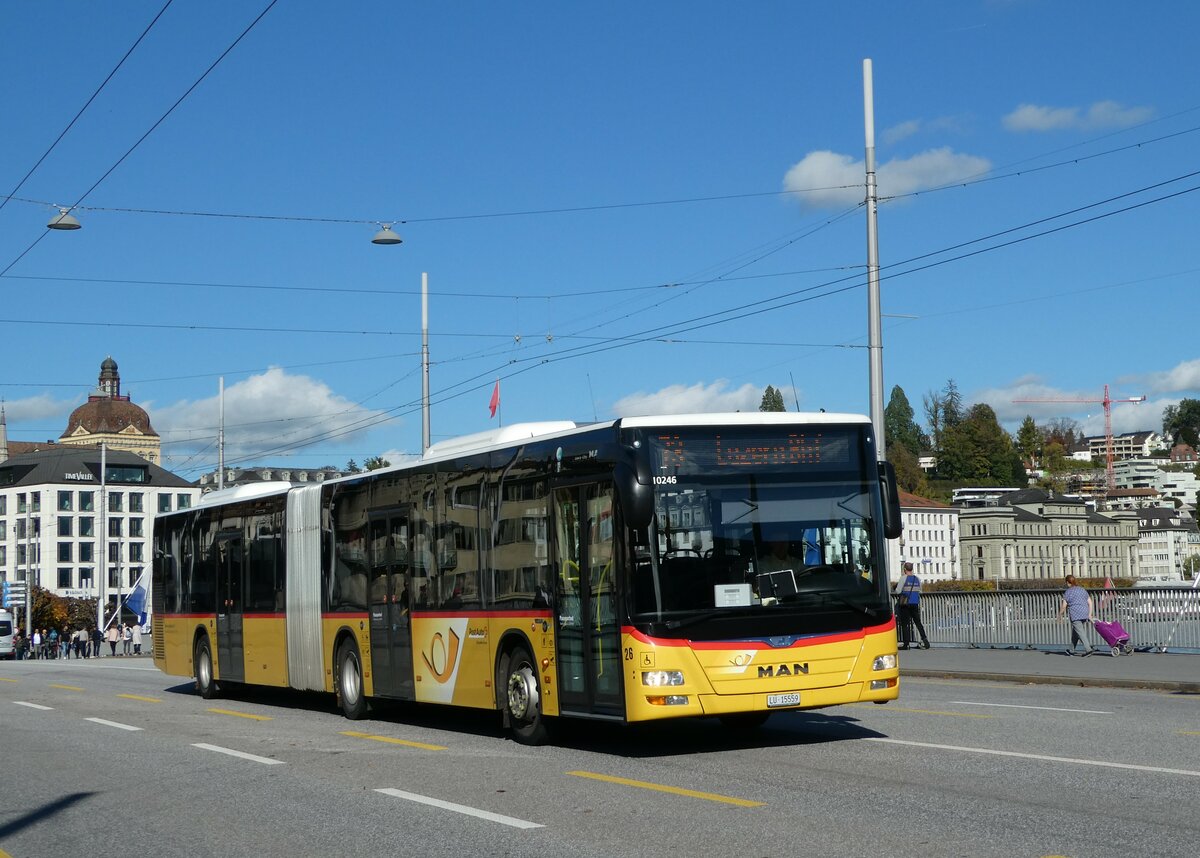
(909, 589)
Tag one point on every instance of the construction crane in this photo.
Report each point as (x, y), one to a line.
(1108, 403)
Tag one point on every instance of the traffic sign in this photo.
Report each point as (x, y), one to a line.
(12, 593)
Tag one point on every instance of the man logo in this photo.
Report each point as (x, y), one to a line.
(769, 670)
(441, 656)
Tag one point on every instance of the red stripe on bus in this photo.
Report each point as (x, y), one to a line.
(474, 615)
(810, 640)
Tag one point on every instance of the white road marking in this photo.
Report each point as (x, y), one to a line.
(33, 705)
(266, 761)
(116, 724)
(1082, 762)
(1045, 708)
(461, 808)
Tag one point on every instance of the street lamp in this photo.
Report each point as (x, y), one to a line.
(63, 220)
(384, 236)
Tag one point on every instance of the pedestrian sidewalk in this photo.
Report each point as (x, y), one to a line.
(1163, 671)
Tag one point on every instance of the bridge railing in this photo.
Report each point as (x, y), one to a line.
(1160, 619)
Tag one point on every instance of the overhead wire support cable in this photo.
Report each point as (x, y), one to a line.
(149, 131)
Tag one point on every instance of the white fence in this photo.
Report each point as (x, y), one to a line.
(1162, 619)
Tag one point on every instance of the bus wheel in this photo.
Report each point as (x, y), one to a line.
(349, 684)
(522, 700)
(745, 720)
(206, 686)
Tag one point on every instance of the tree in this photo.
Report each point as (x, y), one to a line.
(1182, 422)
(352, 467)
(909, 475)
(952, 407)
(977, 449)
(898, 424)
(1029, 440)
(375, 463)
(772, 400)
(933, 417)
(1062, 430)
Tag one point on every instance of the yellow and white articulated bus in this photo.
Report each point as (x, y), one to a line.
(727, 565)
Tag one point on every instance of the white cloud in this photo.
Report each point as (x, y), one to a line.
(273, 411)
(1181, 378)
(839, 180)
(900, 132)
(1100, 116)
(1085, 407)
(693, 399)
(40, 408)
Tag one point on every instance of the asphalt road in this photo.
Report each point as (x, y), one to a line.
(112, 756)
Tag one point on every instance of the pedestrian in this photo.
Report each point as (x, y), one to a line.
(126, 639)
(112, 635)
(64, 642)
(1077, 604)
(137, 639)
(80, 642)
(97, 639)
(909, 589)
(36, 644)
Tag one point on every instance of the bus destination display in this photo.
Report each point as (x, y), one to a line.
(686, 454)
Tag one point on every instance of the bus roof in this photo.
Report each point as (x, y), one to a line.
(744, 418)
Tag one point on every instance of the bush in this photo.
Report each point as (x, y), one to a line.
(971, 586)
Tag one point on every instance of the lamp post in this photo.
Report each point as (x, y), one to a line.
(63, 220)
(386, 236)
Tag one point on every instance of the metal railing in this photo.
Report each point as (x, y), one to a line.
(1160, 619)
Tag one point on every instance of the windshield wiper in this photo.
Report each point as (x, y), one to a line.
(753, 508)
(708, 615)
(868, 612)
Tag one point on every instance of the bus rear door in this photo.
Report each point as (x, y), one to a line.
(589, 646)
(231, 655)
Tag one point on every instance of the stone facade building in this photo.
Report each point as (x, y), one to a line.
(110, 418)
(1035, 534)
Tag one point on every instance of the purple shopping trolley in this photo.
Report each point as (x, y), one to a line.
(1115, 636)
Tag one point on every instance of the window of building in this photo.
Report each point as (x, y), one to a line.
(87, 501)
(35, 501)
(64, 525)
(136, 527)
(3, 555)
(87, 525)
(114, 526)
(3, 504)
(21, 504)
(87, 551)
(64, 552)
(135, 552)
(114, 577)
(21, 531)
(135, 502)
(114, 552)
(183, 501)
(126, 474)
(116, 501)
(85, 577)
(21, 556)
(64, 578)
(164, 502)
(65, 501)
(135, 572)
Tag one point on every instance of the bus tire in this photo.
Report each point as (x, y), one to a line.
(202, 663)
(349, 684)
(522, 699)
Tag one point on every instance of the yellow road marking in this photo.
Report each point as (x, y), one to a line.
(139, 697)
(65, 687)
(4, 854)
(690, 793)
(392, 741)
(1189, 732)
(928, 711)
(6, 679)
(242, 715)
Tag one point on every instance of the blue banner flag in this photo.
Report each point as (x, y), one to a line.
(137, 603)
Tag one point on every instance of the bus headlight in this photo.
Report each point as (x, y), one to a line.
(884, 662)
(658, 678)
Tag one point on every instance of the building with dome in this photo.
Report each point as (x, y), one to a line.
(110, 418)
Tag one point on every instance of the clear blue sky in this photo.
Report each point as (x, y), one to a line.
(606, 198)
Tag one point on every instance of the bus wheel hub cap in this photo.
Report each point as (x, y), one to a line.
(522, 693)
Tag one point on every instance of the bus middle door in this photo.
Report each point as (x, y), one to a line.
(589, 645)
(231, 655)
(391, 634)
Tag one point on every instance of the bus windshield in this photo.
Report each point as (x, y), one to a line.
(764, 524)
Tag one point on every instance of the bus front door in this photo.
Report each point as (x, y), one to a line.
(589, 646)
(391, 636)
(231, 655)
